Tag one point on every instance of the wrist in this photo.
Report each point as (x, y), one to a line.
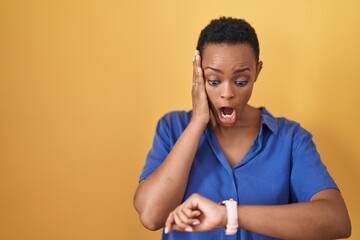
(223, 218)
(198, 124)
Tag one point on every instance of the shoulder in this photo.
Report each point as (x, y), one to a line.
(175, 121)
(283, 126)
(176, 117)
(288, 125)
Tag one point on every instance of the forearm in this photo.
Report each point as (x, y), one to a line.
(164, 189)
(317, 219)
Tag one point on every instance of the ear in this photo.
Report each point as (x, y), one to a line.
(258, 69)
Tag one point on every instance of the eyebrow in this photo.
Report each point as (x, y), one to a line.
(236, 71)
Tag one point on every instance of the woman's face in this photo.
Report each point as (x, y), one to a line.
(230, 72)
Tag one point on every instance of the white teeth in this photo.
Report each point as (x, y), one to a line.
(227, 116)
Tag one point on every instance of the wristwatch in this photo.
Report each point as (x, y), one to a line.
(232, 216)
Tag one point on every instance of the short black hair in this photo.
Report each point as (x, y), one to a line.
(231, 31)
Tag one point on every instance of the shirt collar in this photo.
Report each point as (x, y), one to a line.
(269, 120)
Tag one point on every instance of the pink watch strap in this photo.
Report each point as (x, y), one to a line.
(232, 216)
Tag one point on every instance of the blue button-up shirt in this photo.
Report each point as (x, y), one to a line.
(282, 167)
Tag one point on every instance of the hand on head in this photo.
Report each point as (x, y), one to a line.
(201, 110)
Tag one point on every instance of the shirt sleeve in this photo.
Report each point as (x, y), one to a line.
(308, 174)
(160, 149)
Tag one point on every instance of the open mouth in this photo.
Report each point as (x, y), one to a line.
(227, 115)
(227, 112)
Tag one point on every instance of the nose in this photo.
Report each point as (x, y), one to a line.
(227, 91)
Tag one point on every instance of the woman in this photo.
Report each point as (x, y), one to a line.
(226, 149)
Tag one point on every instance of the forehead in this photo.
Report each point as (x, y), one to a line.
(235, 55)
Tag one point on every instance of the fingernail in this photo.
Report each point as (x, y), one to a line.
(196, 222)
(166, 230)
(198, 69)
(188, 229)
(196, 57)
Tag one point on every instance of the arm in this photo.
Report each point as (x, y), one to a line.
(157, 195)
(323, 217)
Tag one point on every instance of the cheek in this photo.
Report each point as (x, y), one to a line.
(210, 91)
(211, 94)
(246, 95)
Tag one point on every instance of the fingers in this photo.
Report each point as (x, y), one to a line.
(198, 92)
(196, 214)
(169, 222)
(182, 219)
(197, 70)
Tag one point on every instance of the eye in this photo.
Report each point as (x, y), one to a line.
(241, 83)
(213, 82)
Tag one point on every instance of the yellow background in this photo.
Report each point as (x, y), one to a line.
(83, 83)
